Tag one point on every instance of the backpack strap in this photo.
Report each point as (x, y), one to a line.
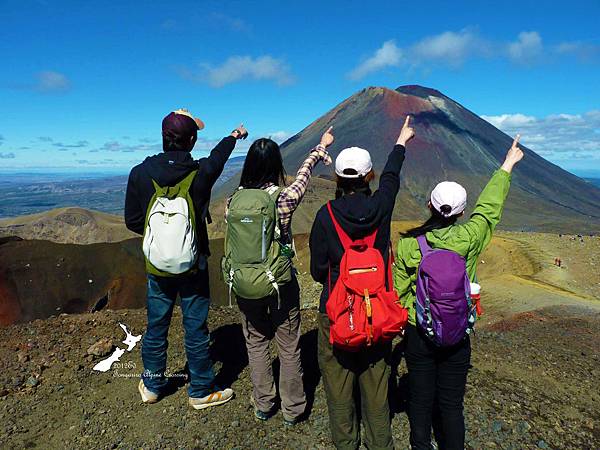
(344, 238)
(186, 184)
(424, 245)
(180, 189)
(157, 188)
(391, 261)
(274, 192)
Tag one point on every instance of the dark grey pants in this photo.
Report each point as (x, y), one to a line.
(261, 322)
(342, 371)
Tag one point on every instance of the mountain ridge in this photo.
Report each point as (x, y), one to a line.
(452, 143)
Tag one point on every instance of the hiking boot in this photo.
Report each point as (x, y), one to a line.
(214, 399)
(290, 422)
(147, 395)
(260, 415)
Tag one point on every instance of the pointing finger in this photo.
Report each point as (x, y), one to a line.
(330, 129)
(406, 122)
(516, 140)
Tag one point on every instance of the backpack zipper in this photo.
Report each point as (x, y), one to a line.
(264, 240)
(364, 270)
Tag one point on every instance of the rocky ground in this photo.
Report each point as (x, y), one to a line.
(534, 384)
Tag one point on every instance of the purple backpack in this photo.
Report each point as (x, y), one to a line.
(443, 303)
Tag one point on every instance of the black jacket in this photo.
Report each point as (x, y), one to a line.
(168, 169)
(359, 215)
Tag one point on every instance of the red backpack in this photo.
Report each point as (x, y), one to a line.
(361, 311)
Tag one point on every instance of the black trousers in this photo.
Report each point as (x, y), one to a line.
(437, 378)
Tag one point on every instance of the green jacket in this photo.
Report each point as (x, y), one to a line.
(468, 240)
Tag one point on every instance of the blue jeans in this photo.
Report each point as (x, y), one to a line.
(195, 300)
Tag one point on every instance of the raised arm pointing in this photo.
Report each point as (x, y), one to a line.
(406, 134)
(513, 156)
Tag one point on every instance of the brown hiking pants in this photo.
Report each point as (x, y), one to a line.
(343, 372)
(262, 321)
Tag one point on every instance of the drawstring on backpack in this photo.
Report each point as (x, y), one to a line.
(369, 317)
(230, 283)
(273, 282)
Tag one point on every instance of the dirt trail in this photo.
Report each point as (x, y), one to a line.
(517, 275)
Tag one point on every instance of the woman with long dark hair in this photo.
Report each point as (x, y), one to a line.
(359, 379)
(437, 373)
(274, 316)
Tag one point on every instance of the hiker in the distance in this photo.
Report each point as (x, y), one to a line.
(435, 266)
(360, 212)
(258, 268)
(167, 201)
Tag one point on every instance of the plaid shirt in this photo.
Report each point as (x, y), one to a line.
(291, 196)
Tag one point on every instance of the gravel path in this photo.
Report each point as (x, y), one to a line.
(534, 384)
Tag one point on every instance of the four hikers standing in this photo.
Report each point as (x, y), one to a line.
(362, 306)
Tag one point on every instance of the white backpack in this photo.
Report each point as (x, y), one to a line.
(169, 243)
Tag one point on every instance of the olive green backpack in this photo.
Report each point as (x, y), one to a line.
(253, 264)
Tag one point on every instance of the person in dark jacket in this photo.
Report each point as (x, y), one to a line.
(359, 212)
(179, 134)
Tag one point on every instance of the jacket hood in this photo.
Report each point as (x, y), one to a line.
(357, 213)
(169, 168)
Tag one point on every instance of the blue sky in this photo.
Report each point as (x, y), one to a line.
(84, 85)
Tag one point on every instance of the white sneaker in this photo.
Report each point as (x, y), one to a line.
(147, 395)
(214, 399)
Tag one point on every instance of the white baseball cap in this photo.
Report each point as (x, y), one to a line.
(449, 194)
(353, 159)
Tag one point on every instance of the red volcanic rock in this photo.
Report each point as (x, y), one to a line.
(10, 308)
(41, 278)
(101, 348)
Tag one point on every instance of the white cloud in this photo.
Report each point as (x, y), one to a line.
(388, 55)
(64, 147)
(558, 137)
(585, 52)
(453, 48)
(234, 23)
(509, 120)
(527, 48)
(237, 68)
(450, 47)
(116, 146)
(280, 136)
(207, 144)
(50, 81)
